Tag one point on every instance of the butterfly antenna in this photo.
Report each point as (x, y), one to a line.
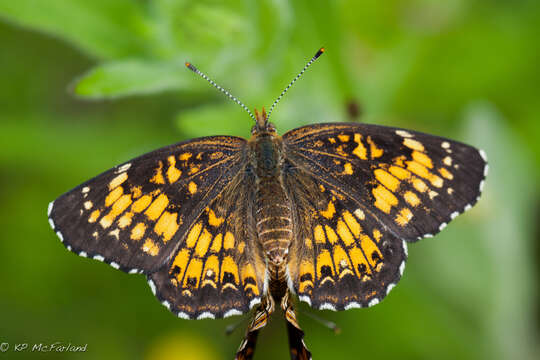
(229, 329)
(326, 323)
(315, 57)
(192, 67)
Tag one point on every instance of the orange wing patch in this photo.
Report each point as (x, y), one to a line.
(353, 255)
(215, 272)
(360, 150)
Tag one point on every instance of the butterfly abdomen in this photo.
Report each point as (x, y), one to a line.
(272, 208)
(273, 216)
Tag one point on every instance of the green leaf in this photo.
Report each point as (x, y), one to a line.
(133, 76)
(101, 28)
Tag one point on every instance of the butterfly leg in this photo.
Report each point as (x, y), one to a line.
(297, 346)
(247, 347)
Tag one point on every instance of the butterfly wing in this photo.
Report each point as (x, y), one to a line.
(360, 191)
(343, 256)
(410, 182)
(136, 215)
(218, 270)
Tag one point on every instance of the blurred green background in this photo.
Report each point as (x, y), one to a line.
(85, 85)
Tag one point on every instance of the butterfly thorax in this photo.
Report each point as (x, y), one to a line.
(272, 209)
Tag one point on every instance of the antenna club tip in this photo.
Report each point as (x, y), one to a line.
(319, 53)
(190, 66)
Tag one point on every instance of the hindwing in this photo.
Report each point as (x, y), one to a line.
(218, 270)
(342, 257)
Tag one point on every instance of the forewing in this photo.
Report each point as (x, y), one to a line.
(410, 182)
(218, 270)
(135, 215)
(342, 257)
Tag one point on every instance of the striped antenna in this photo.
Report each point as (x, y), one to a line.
(315, 57)
(192, 67)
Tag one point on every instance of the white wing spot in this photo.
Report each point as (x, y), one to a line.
(454, 215)
(481, 186)
(83, 254)
(483, 154)
(390, 287)
(115, 265)
(85, 190)
(327, 306)
(255, 301)
(49, 208)
(467, 207)
(486, 170)
(123, 168)
(445, 145)
(59, 234)
(152, 286)
(206, 315)
(133, 271)
(88, 205)
(403, 133)
(428, 235)
(442, 226)
(51, 222)
(99, 258)
(305, 299)
(405, 249)
(166, 304)
(373, 302)
(68, 247)
(447, 161)
(359, 214)
(352, 305)
(232, 312)
(183, 315)
(401, 268)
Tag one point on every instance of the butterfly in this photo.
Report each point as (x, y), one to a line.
(222, 225)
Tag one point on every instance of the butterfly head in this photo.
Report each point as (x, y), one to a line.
(262, 125)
